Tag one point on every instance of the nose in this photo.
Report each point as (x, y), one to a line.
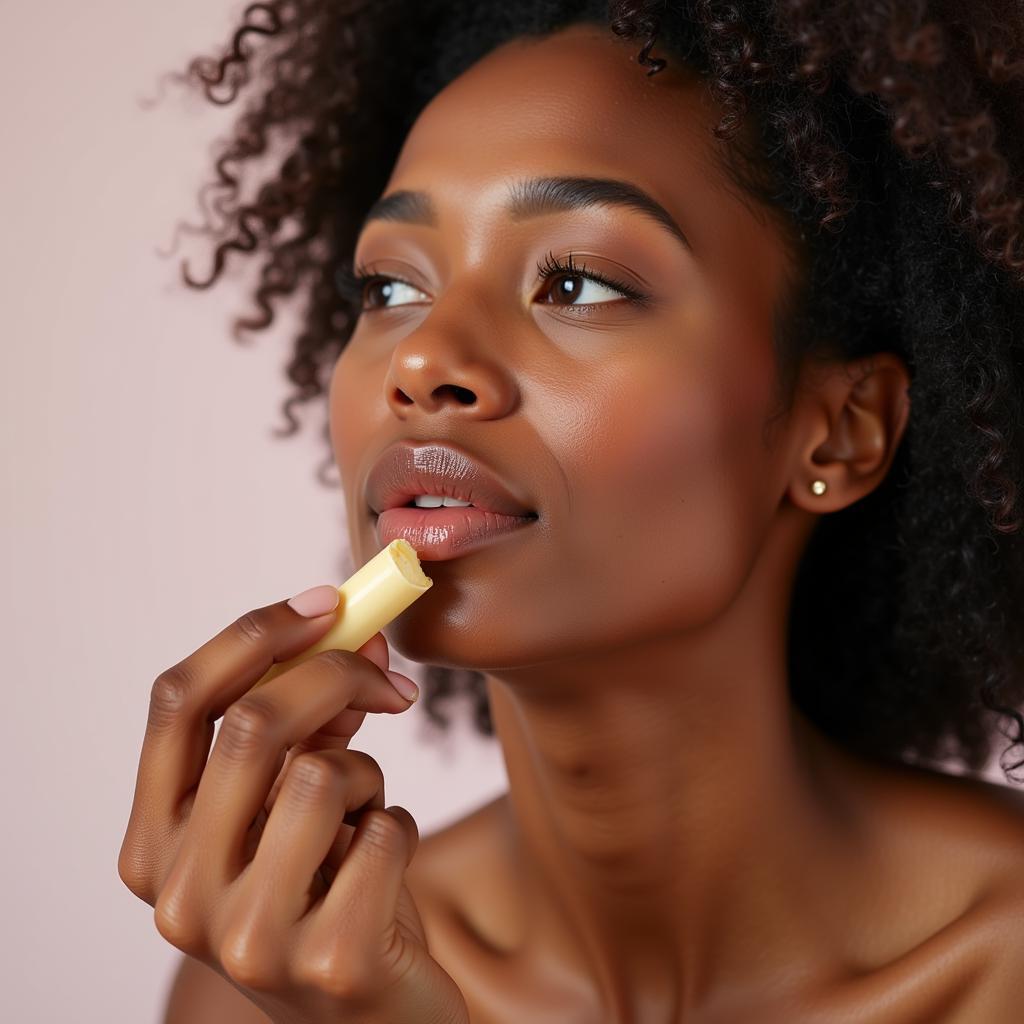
(436, 369)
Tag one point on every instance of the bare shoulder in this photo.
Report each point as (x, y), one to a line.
(957, 839)
(992, 816)
(958, 843)
(931, 916)
(976, 819)
(991, 988)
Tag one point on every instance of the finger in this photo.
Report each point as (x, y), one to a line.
(365, 891)
(347, 723)
(336, 734)
(319, 791)
(185, 700)
(376, 650)
(251, 745)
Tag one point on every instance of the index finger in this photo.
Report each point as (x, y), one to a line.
(189, 697)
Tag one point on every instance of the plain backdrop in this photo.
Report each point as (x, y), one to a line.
(146, 504)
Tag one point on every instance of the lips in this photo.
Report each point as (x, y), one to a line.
(406, 469)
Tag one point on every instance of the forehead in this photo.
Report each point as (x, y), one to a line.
(573, 101)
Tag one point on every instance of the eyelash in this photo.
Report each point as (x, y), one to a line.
(551, 268)
(352, 283)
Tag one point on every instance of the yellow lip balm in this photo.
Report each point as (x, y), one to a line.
(370, 598)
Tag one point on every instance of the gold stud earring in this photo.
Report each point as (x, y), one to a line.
(819, 486)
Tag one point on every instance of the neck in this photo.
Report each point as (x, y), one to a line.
(672, 813)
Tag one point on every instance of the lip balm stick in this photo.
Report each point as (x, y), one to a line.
(370, 598)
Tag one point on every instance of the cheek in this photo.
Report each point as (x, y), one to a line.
(664, 486)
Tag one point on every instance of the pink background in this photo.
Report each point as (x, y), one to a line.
(146, 503)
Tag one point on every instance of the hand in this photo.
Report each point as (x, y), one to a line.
(242, 856)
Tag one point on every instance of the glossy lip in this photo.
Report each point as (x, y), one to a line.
(407, 469)
(443, 533)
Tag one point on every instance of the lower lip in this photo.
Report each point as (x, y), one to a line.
(442, 533)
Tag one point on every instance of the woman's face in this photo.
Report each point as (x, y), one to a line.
(636, 431)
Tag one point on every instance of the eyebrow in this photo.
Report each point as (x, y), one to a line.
(534, 197)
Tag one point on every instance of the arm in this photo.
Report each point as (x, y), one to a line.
(201, 996)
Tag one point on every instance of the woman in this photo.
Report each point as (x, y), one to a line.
(716, 309)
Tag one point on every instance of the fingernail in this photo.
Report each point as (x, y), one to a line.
(403, 684)
(316, 601)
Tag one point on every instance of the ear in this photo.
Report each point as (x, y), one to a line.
(855, 414)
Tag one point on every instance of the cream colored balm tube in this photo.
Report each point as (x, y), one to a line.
(370, 598)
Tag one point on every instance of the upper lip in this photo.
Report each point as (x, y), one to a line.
(405, 470)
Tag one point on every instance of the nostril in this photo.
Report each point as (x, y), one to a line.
(464, 395)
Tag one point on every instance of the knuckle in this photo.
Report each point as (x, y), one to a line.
(383, 835)
(369, 764)
(410, 828)
(368, 761)
(312, 777)
(133, 870)
(251, 961)
(251, 629)
(170, 694)
(177, 922)
(247, 727)
(339, 660)
(340, 973)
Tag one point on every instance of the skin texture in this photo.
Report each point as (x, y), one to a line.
(676, 839)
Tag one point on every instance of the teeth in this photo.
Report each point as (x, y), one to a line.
(432, 501)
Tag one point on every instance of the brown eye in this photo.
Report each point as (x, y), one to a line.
(570, 283)
(368, 291)
(380, 292)
(568, 288)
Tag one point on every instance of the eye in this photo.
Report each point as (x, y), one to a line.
(361, 288)
(571, 282)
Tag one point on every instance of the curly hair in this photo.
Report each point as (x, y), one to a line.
(886, 135)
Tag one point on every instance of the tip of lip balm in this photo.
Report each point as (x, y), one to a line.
(408, 562)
